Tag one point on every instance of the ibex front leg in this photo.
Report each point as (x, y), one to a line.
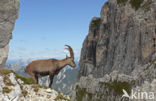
(51, 79)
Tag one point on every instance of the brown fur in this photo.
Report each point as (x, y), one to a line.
(49, 67)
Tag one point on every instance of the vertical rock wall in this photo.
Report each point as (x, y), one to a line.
(119, 52)
(124, 35)
(8, 14)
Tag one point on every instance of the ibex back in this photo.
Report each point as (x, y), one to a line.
(49, 67)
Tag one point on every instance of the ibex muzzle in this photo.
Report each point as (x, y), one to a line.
(50, 67)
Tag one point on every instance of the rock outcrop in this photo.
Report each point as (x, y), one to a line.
(15, 87)
(122, 39)
(8, 14)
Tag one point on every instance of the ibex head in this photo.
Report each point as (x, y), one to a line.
(71, 58)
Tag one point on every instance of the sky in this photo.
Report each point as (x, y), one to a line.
(45, 26)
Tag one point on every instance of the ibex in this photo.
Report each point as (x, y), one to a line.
(49, 67)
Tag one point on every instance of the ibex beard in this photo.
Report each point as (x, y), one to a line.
(50, 67)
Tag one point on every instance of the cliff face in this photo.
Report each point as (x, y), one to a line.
(8, 14)
(118, 52)
(124, 35)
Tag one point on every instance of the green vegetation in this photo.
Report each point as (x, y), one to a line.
(6, 90)
(5, 72)
(26, 80)
(6, 79)
(122, 2)
(8, 82)
(24, 92)
(118, 86)
(96, 23)
(36, 87)
(136, 3)
(81, 92)
(61, 97)
(45, 87)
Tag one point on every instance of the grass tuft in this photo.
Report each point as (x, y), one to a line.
(24, 92)
(61, 97)
(6, 90)
(26, 80)
(36, 87)
(118, 86)
(5, 71)
(122, 2)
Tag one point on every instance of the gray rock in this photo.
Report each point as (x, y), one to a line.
(3, 55)
(120, 48)
(101, 89)
(1, 89)
(12, 78)
(1, 79)
(119, 39)
(8, 14)
(15, 91)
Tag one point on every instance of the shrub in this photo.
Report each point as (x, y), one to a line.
(136, 4)
(121, 1)
(118, 86)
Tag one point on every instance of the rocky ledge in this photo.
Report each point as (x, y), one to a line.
(15, 87)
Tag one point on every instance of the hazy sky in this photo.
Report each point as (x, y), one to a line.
(45, 26)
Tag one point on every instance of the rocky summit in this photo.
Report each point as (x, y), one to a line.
(118, 52)
(8, 14)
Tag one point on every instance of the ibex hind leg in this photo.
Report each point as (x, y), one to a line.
(36, 78)
(51, 79)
